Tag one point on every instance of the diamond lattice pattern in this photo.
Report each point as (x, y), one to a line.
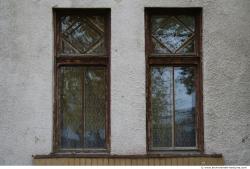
(172, 34)
(82, 35)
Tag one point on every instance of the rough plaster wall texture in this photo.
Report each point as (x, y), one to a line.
(26, 51)
(25, 81)
(227, 80)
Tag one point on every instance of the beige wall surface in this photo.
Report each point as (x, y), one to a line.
(26, 80)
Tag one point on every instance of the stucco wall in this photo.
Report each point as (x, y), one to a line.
(26, 80)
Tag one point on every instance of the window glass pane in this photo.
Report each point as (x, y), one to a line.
(159, 47)
(95, 108)
(82, 35)
(189, 21)
(162, 106)
(82, 107)
(172, 32)
(184, 107)
(163, 80)
(189, 48)
(71, 107)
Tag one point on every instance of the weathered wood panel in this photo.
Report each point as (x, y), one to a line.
(129, 161)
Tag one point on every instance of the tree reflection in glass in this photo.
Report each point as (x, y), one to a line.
(162, 104)
(173, 34)
(82, 35)
(184, 107)
(83, 106)
(173, 85)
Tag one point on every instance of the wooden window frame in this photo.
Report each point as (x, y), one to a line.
(175, 60)
(80, 60)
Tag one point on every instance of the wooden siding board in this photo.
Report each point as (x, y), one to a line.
(88, 162)
(128, 162)
(111, 162)
(139, 162)
(145, 161)
(185, 161)
(174, 161)
(77, 161)
(71, 161)
(92, 161)
(134, 161)
(100, 161)
(168, 161)
(82, 161)
(151, 161)
(220, 161)
(117, 162)
(105, 161)
(131, 161)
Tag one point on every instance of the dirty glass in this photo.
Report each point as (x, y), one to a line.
(95, 106)
(184, 107)
(162, 106)
(82, 35)
(173, 106)
(172, 34)
(82, 107)
(188, 48)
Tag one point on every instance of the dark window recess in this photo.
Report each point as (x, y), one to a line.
(174, 82)
(82, 44)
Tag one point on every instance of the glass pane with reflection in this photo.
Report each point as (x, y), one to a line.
(71, 106)
(82, 107)
(161, 106)
(171, 33)
(95, 107)
(82, 35)
(173, 85)
(184, 107)
(187, 49)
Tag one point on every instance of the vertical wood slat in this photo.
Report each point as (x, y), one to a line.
(134, 161)
(179, 161)
(61, 161)
(105, 162)
(220, 161)
(140, 161)
(117, 162)
(191, 161)
(214, 161)
(145, 161)
(185, 161)
(130, 161)
(82, 161)
(93, 161)
(88, 162)
(206, 161)
(54, 162)
(100, 161)
(162, 161)
(174, 161)
(196, 161)
(168, 161)
(71, 161)
(111, 161)
(77, 161)
(203, 161)
(157, 161)
(151, 161)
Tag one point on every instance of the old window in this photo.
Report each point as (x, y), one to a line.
(174, 96)
(82, 53)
